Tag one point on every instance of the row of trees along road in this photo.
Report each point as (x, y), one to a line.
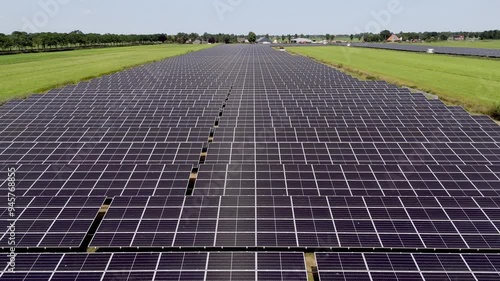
(429, 36)
(22, 41)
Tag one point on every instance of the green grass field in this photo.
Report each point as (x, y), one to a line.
(482, 44)
(470, 82)
(24, 74)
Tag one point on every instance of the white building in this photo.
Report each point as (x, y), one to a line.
(301, 41)
(263, 40)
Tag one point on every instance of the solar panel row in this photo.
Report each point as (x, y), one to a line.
(405, 266)
(201, 266)
(346, 222)
(261, 179)
(478, 52)
(419, 48)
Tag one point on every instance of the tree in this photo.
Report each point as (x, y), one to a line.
(352, 37)
(162, 38)
(327, 37)
(21, 40)
(252, 37)
(370, 37)
(410, 35)
(77, 38)
(385, 34)
(5, 42)
(182, 38)
(443, 36)
(429, 36)
(194, 36)
(226, 38)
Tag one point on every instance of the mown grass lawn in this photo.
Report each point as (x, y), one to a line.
(24, 74)
(470, 82)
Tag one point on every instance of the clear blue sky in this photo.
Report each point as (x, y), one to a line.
(242, 16)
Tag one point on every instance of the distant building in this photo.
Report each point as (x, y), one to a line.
(197, 41)
(263, 40)
(459, 38)
(394, 38)
(302, 41)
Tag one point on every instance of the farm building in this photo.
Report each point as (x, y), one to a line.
(394, 38)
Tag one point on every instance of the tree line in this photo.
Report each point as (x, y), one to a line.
(428, 36)
(20, 41)
(385, 34)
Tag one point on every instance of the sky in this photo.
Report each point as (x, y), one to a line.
(242, 16)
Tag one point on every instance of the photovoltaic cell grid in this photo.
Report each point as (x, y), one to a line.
(51, 221)
(406, 266)
(273, 152)
(214, 266)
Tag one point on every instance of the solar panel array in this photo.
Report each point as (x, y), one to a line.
(418, 48)
(460, 51)
(243, 148)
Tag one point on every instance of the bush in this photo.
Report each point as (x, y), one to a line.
(495, 112)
